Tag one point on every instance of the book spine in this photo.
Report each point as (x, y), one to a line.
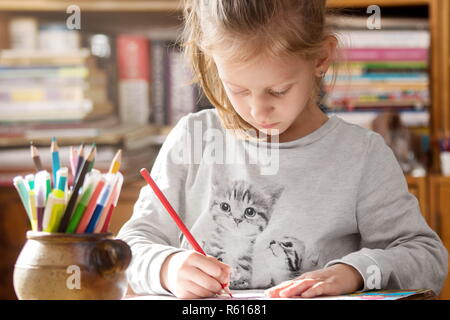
(45, 110)
(167, 84)
(43, 72)
(158, 49)
(399, 54)
(385, 39)
(182, 91)
(133, 63)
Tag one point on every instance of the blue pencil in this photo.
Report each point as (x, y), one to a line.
(99, 208)
(55, 160)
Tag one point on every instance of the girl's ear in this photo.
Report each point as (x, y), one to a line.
(327, 56)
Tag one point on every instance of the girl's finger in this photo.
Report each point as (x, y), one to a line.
(208, 266)
(318, 289)
(204, 280)
(297, 288)
(199, 291)
(225, 267)
(271, 292)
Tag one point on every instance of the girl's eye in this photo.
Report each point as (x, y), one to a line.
(278, 93)
(225, 206)
(241, 93)
(250, 212)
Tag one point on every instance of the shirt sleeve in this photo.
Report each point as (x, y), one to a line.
(151, 233)
(398, 249)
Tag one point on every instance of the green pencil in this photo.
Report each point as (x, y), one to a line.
(79, 210)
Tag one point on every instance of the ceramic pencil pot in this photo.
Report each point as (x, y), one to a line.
(71, 267)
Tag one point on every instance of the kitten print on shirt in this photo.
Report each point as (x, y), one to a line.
(238, 214)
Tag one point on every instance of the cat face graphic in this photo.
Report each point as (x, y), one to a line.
(242, 208)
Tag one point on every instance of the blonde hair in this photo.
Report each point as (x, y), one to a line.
(242, 29)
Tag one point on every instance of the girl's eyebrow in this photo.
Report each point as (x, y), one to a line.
(289, 82)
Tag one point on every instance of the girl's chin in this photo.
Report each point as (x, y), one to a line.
(271, 132)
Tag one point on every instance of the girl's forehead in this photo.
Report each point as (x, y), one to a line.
(279, 68)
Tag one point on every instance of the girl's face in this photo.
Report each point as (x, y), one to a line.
(271, 94)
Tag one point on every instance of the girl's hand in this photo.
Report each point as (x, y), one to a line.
(191, 275)
(335, 280)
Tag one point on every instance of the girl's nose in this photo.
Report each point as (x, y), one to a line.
(261, 110)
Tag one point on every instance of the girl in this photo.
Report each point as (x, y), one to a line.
(323, 210)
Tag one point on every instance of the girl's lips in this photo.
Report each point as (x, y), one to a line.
(269, 126)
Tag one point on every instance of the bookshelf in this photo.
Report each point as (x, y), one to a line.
(97, 16)
(128, 6)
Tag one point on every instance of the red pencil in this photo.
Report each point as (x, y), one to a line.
(175, 217)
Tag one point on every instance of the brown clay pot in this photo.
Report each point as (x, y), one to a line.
(71, 266)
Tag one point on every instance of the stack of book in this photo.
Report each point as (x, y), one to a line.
(46, 86)
(381, 70)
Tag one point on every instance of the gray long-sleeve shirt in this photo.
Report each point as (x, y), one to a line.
(273, 211)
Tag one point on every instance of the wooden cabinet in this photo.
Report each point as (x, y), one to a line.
(439, 200)
(13, 227)
(418, 187)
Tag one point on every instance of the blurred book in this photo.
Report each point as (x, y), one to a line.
(133, 58)
(36, 87)
(365, 118)
(379, 70)
(173, 92)
(387, 23)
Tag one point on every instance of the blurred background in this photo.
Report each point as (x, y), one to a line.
(111, 72)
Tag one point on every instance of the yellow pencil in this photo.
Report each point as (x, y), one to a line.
(115, 164)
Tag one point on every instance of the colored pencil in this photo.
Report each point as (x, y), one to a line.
(36, 159)
(80, 161)
(115, 163)
(101, 203)
(190, 238)
(54, 149)
(74, 195)
(90, 207)
(91, 182)
(113, 205)
(41, 189)
(73, 161)
(91, 166)
(115, 187)
(23, 191)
